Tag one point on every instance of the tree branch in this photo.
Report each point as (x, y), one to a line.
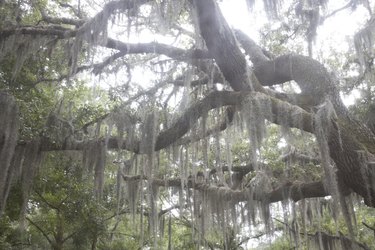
(294, 191)
(369, 227)
(61, 20)
(220, 127)
(107, 10)
(251, 48)
(57, 31)
(281, 113)
(294, 156)
(47, 202)
(222, 44)
(40, 230)
(156, 48)
(348, 5)
(298, 191)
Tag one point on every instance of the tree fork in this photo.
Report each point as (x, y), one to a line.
(312, 78)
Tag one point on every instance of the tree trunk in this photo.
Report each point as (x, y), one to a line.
(59, 235)
(94, 242)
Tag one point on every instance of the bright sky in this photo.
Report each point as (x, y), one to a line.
(335, 29)
(335, 34)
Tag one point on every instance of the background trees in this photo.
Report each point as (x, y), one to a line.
(157, 123)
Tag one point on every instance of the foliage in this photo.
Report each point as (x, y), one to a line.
(160, 126)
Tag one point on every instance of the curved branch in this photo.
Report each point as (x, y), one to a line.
(192, 114)
(314, 80)
(220, 127)
(282, 113)
(347, 138)
(310, 75)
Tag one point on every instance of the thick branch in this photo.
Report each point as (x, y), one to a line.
(57, 31)
(156, 48)
(220, 127)
(192, 114)
(281, 113)
(296, 192)
(347, 138)
(124, 48)
(313, 79)
(222, 44)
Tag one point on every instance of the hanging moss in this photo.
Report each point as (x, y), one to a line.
(153, 192)
(325, 120)
(58, 129)
(166, 13)
(31, 161)
(132, 188)
(254, 110)
(123, 123)
(363, 43)
(93, 32)
(89, 155)
(149, 133)
(99, 170)
(94, 159)
(14, 171)
(22, 47)
(8, 139)
(272, 7)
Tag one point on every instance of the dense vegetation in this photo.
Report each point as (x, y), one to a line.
(146, 124)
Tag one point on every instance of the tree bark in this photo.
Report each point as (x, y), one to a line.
(294, 191)
(346, 141)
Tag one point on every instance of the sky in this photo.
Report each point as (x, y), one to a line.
(335, 34)
(337, 28)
